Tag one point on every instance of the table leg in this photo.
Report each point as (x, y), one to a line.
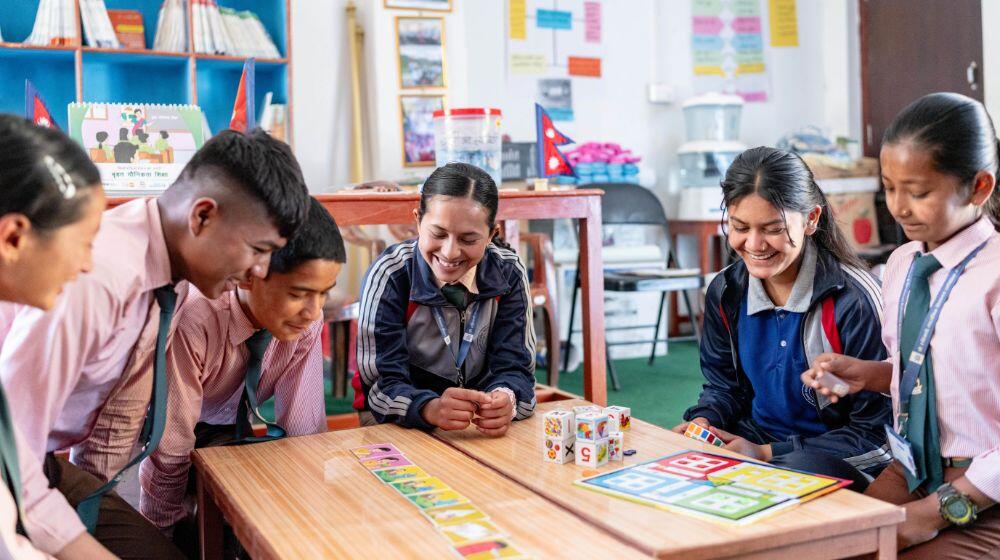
(592, 291)
(338, 355)
(705, 252)
(886, 543)
(512, 233)
(209, 523)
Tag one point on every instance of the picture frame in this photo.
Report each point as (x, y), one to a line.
(423, 5)
(420, 52)
(416, 111)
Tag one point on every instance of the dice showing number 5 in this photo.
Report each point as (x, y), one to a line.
(592, 454)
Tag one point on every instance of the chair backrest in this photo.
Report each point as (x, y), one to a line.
(628, 203)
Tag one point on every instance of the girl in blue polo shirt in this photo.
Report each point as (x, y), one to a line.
(798, 291)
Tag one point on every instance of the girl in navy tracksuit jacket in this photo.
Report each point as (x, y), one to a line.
(445, 335)
(797, 292)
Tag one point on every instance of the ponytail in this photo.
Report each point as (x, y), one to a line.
(499, 241)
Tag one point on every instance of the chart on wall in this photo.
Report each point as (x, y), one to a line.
(555, 46)
(727, 48)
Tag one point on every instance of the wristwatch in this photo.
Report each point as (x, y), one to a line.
(955, 507)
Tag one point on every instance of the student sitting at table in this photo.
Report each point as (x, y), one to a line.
(445, 334)
(797, 292)
(939, 165)
(230, 354)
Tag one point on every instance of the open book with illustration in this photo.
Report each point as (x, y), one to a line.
(140, 149)
(714, 487)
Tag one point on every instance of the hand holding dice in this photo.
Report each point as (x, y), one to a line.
(495, 416)
(456, 408)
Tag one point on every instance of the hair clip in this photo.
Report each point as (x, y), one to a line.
(65, 183)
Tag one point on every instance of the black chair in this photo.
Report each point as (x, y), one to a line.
(629, 204)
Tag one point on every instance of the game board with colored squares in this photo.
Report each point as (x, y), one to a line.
(711, 486)
(470, 532)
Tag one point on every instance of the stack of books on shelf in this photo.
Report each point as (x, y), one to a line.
(97, 29)
(55, 24)
(274, 118)
(171, 29)
(229, 32)
(129, 29)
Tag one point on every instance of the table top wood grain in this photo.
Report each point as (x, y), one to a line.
(666, 534)
(309, 497)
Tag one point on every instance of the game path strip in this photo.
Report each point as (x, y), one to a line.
(471, 533)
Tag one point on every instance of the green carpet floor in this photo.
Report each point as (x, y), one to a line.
(658, 394)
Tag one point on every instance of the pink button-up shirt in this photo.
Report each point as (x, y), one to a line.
(965, 349)
(58, 367)
(39, 502)
(207, 360)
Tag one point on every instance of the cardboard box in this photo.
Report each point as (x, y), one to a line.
(855, 214)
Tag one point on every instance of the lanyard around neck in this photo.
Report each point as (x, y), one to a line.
(913, 362)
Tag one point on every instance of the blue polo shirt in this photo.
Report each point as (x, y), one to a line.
(773, 356)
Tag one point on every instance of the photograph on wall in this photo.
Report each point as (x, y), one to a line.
(417, 112)
(429, 5)
(421, 51)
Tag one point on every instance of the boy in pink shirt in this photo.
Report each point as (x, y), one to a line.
(210, 359)
(238, 199)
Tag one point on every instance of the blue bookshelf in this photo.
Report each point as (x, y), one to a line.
(64, 74)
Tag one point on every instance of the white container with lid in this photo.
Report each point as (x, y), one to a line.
(470, 135)
(704, 163)
(713, 116)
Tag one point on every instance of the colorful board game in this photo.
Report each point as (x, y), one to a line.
(471, 533)
(713, 487)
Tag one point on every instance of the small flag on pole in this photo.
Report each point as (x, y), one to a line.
(35, 109)
(244, 114)
(551, 161)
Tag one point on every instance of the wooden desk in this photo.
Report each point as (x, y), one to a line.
(366, 208)
(583, 204)
(308, 497)
(838, 525)
(706, 232)
(709, 236)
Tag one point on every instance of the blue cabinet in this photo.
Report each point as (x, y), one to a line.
(64, 74)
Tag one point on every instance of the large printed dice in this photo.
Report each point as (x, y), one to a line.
(616, 442)
(592, 454)
(622, 416)
(584, 409)
(558, 450)
(559, 424)
(591, 426)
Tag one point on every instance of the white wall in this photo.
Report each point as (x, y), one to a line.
(644, 40)
(321, 95)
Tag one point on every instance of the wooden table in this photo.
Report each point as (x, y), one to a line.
(838, 525)
(308, 497)
(355, 208)
(706, 232)
(360, 208)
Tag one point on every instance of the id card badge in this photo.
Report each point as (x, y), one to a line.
(901, 450)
